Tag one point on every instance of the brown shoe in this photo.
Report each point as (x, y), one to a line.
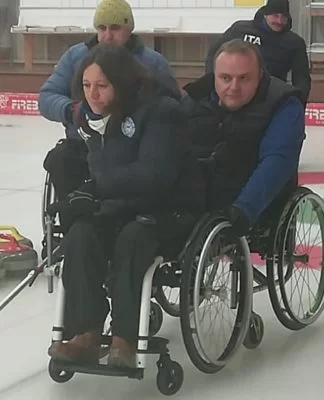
(122, 354)
(81, 348)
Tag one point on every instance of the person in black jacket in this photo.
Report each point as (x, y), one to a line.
(139, 163)
(249, 128)
(282, 50)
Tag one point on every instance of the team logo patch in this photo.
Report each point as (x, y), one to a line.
(128, 127)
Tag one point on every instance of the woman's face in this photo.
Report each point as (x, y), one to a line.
(98, 91)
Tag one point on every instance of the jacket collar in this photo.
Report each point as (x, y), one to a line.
(134, 44)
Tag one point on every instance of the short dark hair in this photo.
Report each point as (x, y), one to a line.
(123, 71)
(239, 46)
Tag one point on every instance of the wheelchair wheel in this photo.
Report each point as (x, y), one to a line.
(169, 378)
(156, 319)
(169, 296)
(298, 298)
(48, 198)
(57, 374)
(273, 281)
(56, 242)
(217, 279)
(255, 332)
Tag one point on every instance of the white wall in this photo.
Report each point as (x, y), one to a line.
(199, 16)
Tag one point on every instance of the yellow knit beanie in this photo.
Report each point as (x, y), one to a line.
(114, 12)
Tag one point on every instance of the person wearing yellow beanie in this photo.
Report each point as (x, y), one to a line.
(114, 12)
(114, 21)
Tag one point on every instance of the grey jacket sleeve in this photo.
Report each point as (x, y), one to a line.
(162, 66)
(55, 94)
(164, 70)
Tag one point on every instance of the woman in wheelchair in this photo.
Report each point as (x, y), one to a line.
(139, 163)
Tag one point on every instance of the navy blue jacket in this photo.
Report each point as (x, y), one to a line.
(145, 159)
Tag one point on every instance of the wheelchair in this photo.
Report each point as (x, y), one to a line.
(214, 275)
(158, 283)
(219, 268)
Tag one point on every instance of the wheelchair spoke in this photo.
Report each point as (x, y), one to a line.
(306, 261)
(216, 329)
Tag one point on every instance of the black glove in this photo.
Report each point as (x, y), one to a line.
(79, 203)
(239, 221)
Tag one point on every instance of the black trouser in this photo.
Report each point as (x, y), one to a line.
(132, 247)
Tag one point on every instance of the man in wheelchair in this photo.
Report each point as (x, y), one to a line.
(248, 129)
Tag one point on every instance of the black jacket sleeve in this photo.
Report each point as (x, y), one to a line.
(300, 74)
(229, 34)
(159, 161)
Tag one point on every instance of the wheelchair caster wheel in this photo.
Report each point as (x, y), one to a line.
(156, 319)
(255, 333)
(169, 378)
(57, 374)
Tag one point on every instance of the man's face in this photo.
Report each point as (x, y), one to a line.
(237, 77)
(113, 34)
(276, 22)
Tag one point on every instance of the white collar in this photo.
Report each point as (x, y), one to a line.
(99, 125)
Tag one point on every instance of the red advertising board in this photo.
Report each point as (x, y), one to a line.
(27, 104)
(314, 114)
(19, 103)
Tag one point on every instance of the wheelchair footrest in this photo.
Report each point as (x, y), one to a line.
(99, 369)
(156, 345)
